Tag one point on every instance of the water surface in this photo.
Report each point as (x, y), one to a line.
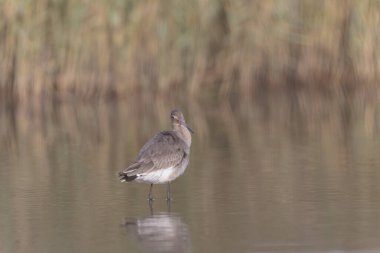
(278, 175)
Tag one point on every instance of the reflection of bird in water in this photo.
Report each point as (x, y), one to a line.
(163, 158)
(162, 232)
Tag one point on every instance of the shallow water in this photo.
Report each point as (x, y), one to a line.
(280, 175)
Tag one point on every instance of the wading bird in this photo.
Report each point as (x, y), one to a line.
(163, 158)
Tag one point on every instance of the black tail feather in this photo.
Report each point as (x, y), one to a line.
(123, 177)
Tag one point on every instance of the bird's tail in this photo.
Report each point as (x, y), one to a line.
(129, 174)
(123, 177)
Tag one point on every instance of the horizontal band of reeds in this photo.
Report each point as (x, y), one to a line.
(106, 48)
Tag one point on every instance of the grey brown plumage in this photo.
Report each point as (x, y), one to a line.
(163, 158)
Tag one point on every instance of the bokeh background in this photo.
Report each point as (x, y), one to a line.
(209, 48)
(283, 97)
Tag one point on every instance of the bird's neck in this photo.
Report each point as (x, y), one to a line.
(183, 133)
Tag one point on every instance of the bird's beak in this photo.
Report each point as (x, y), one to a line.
(184, 124)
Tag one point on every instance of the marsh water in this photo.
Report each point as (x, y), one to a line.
(273, 175)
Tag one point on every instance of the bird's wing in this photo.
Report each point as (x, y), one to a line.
(164, 150)
(140, 167)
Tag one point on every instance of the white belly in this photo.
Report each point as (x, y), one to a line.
(159, 176)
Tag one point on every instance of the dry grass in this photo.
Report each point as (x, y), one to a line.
(93, 49)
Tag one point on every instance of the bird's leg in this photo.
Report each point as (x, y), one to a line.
(151, 207)
(169, 205)
(168, 193)
(150, 198)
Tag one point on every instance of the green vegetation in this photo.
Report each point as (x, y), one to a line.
(94, 49)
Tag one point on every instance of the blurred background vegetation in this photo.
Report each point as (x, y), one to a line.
(218, 48)
(298, 157)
